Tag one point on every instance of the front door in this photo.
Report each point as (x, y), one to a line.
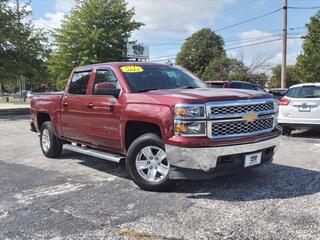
(103, 113)
(73, 107)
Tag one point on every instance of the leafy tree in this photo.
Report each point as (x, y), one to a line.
(22, 47)
(94, 32)
(259, 78)
(226, 68)
(291, 76)
(200, 49)
(308, 62)
(222, 68)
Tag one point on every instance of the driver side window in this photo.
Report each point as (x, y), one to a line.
(105, 79)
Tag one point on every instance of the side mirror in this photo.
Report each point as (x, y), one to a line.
(106, 89)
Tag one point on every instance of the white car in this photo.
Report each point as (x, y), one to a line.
(300, 108)
(29, 94)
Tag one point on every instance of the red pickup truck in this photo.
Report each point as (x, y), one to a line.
(163, 121)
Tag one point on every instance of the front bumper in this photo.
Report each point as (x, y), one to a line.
(300, 125)
(299, 122)
(206, 159)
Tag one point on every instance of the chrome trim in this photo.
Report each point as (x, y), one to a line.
(238, 117)
(241, 119)
(209, 127)
(242, 134)
(239, 102)
(94, 153)
(206, 158)
(231, 103)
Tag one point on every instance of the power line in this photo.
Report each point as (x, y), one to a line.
(236, 24)
(304, 8)
(231, 48)
(258, 43)
(248, 20)
(253, 44)
(238, 41)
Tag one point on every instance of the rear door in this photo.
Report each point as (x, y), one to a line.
(304, 104)
(103, 115)
(73, 107)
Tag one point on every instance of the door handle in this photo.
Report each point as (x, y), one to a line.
(65, 104)
(90, 105)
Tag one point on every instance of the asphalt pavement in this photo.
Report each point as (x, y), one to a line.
(79, 197)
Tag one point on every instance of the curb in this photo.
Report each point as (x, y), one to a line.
(15, 111)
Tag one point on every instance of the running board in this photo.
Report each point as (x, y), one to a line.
(94, 153)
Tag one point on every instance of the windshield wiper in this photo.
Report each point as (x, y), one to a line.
(187, 87)
(147, 90)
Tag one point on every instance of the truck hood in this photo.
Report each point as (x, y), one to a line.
(199, 95)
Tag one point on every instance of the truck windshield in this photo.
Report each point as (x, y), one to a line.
(304, 92)
(146, 78)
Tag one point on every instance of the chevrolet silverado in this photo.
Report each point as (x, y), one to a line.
(161, 120)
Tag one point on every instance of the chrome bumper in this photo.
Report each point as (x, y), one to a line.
(206, 158)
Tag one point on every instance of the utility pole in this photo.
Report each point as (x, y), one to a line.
(125, 53)
(284, 43)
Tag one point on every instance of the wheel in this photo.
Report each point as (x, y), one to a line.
(49, 143)
(286, 131)
(147, 163)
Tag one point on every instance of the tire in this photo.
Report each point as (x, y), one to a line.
(147, 164)
(49, 143)
(286, 131)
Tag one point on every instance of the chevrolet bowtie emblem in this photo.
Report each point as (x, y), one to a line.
(250, 117)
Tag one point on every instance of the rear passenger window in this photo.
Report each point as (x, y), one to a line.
(79, 83)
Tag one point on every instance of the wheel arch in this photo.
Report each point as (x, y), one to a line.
(135, 129)
(41, 118)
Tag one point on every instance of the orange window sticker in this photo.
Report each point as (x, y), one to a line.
(131, 69)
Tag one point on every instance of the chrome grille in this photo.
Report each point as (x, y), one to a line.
(238, 128)
(229, 118)
(219, 110)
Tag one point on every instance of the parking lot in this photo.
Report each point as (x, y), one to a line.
(78, 197)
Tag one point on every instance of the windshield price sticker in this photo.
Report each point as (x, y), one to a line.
(131, 69)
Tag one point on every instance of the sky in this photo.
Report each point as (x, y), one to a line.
(169, 22)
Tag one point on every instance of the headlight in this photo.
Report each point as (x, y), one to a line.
(190, 128)
(189, 111)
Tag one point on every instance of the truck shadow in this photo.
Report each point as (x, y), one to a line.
(116, 169)
(272, 181)
(311, 134)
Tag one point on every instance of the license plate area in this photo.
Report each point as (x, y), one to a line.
(304, 108)
(252, 159)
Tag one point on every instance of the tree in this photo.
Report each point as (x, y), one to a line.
(308, 62)
(226, 68)
(93, 32)
(291, 76)
(199, 50)
(259, 78)
(23, 48)
(222, 68)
